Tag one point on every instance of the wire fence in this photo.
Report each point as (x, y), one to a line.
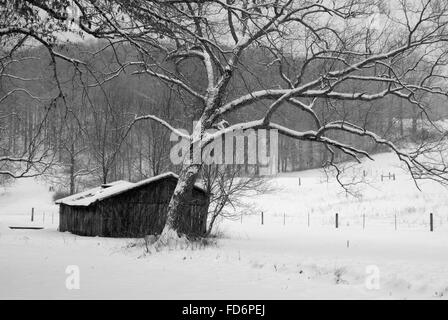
(35, 217)
(428, 221)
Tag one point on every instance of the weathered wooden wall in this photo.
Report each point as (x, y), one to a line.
(135, 213)
(85, 221)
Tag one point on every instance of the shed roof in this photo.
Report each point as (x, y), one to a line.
(86, 198)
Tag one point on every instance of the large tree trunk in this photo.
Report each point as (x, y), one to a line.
(179, 202)
(182, 193)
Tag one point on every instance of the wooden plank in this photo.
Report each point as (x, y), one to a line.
(25, 228)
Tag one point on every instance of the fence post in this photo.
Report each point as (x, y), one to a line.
(32, 214)
(337, 220)
(284, 218)
(431, 222)
(300, 182)
(262, 218)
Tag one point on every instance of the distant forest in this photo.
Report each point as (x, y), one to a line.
(85, 136)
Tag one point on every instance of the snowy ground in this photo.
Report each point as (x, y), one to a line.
(282, 259)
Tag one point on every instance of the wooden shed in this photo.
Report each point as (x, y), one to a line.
(126, 209)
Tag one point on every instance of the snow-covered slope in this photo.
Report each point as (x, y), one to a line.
(282, 259)
(378, 200)
(18, 200)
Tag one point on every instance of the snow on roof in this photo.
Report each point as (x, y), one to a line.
(110, 184)
(86, 198)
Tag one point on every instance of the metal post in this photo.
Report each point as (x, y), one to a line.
(337, 220)
(431, 222)
(262, 218)
(32, 214)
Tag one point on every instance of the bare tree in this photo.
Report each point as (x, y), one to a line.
(227, 185)
(154, 140)
(359, 41)
(24, 117)
(74, 147)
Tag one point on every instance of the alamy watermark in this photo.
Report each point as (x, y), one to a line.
(252, 147)
(372, 281)
(72, 282)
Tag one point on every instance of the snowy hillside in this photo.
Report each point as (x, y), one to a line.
(285, 258)
(372, 199)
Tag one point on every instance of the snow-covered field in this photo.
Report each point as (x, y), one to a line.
(285, 258)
